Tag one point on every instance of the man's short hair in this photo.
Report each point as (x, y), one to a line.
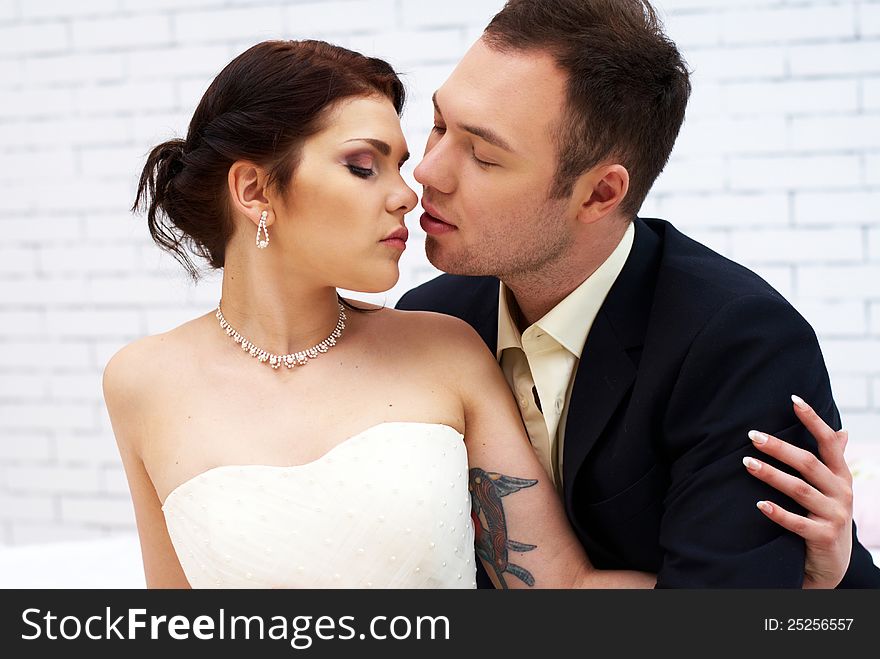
(627, 88)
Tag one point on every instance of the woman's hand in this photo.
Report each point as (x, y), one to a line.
(825, 490)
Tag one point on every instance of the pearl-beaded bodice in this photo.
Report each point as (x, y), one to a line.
(386, 508)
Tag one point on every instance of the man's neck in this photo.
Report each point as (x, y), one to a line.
(533, 298)
(536, 293)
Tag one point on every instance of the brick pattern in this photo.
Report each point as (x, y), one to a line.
(778, 167)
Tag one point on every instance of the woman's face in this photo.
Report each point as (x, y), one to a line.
(346, 198)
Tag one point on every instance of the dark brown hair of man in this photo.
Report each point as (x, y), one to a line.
(628, 85)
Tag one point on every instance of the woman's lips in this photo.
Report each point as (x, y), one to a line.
(397, 243)
(435, 227)
(397, 238)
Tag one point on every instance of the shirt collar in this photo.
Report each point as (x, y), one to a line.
(508, 333)
(569, 322)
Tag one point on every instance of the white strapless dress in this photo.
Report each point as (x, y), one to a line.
(386, 508)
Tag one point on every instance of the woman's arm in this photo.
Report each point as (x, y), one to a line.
(515, 505)
(125, 398)
(522, 534)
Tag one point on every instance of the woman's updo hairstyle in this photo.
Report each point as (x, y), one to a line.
(261, 107)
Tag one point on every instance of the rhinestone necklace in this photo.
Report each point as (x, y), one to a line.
(293, 359)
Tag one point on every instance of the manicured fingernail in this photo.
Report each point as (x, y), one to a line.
(751, 463)
(797, 400)
(765, 506)
(757, 437)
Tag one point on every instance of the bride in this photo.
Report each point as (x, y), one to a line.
(291, 438)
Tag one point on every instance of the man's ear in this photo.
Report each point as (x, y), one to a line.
(600, 191)
(247, 190)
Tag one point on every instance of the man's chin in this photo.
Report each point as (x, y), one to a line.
(440, 258)
(451, 262)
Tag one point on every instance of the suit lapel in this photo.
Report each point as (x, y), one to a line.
(604, 375)
(606, 370)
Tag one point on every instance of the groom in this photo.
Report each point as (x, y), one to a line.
(639, 358)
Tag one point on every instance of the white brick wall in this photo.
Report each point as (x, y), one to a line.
(778, 166)
(786, 127)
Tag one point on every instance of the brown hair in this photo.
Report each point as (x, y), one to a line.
(627, 88)
(261, 107)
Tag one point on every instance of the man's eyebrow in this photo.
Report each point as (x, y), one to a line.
(486, 134)
(382, 147)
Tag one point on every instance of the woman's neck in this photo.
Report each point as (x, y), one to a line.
(277, 312)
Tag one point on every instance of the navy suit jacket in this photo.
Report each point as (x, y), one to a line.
(688, 353)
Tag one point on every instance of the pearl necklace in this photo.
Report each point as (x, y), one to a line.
(293, 359)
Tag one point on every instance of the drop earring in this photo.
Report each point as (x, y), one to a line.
(263, 244)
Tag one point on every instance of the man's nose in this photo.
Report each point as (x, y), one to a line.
(435, 170)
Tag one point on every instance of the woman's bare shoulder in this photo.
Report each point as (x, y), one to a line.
(453, 352)
(431, 333)
(134, 370)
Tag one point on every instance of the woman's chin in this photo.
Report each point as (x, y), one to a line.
(374, 284)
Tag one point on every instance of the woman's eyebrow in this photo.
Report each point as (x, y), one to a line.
(382, 147)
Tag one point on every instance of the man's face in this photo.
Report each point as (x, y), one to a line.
(489, 165)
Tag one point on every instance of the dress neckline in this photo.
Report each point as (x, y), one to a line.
(322, 458)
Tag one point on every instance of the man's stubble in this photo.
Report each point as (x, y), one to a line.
(511, 248)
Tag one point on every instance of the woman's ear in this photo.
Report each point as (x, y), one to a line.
(247, 190)
(601, 191)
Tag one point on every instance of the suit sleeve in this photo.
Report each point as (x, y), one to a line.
(434, 295)
(738, 375)
(409, 301)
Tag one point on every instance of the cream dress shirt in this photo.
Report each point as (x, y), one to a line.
(540, 364)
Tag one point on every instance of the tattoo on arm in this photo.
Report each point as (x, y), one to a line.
(490, 525)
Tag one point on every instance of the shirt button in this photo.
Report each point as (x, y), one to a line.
(559, 404)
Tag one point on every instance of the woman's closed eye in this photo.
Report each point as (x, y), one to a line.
(361, 164)
(362, 172)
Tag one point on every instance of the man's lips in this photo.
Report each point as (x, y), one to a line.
(435, 214)
(434, 227)
(433, 222)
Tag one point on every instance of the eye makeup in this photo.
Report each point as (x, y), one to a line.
(360, 164)
(363, 163)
